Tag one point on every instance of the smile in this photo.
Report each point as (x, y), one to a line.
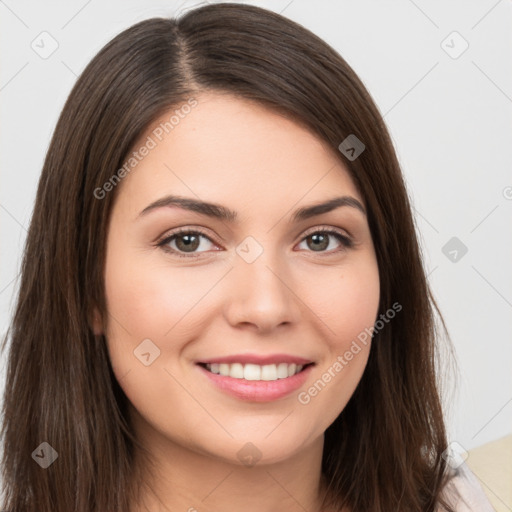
(267, 372)
(256, 383)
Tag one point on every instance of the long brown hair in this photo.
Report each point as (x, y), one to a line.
(384, 452)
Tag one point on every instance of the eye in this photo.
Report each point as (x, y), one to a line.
(320, 240)
(185, 242)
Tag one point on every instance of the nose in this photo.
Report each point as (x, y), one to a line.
(261, 294)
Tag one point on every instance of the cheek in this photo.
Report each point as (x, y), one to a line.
(151, 310)
(346, 300)
(149, 299)
(347, 306)
(357, 306)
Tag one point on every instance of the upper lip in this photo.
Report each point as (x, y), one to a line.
(257, 359)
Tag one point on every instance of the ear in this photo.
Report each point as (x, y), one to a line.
(96, 322)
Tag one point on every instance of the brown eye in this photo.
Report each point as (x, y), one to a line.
(319, 241)
(185, 243)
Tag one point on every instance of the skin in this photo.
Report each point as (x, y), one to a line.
(295, 298)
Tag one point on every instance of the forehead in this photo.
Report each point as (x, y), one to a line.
(233, 151)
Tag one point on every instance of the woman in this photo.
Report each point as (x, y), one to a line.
(222, 302)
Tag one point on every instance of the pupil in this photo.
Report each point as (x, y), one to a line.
(315, 238)
(189, 243)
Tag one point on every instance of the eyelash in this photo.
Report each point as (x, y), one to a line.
(345, 241)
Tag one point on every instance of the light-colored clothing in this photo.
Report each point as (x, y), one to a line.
(464, 492)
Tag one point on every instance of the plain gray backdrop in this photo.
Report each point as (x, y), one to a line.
(440, 74)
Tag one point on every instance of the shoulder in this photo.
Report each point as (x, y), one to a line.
(464, 492)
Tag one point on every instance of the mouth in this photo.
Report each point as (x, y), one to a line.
(255, 372)
(254, 382)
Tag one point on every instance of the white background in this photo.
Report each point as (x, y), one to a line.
(450, 119)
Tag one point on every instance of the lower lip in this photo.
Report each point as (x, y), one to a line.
(258, 390)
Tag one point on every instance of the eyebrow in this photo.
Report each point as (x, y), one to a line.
(220, 212)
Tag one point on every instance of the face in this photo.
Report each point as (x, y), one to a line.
(212, 310)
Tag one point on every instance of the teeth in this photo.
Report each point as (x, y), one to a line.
(269, 372)
(282, 371)
(251, 372)
(255, 371)
(236, 370)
